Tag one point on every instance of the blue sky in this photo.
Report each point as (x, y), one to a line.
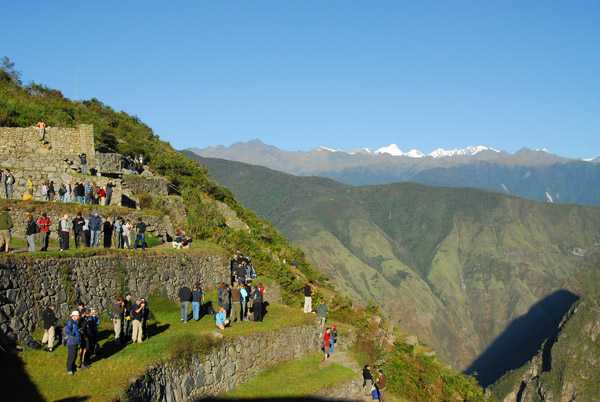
(343, 74)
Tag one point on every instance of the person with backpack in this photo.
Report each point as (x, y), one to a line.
(73, 339)
(49, 321)
(44, 223)
(327, 344)
(61, 192)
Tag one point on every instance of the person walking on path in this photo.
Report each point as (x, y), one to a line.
(334, 336)
(6, 224)
(322, 312)
(140, 230)
(30, 233)
(49, 321)
(185, 297)
(381, 385)
(73, 341)
(42, 126)
(327, 344)
(308, 294)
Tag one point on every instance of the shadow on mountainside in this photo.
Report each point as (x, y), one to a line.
(523, 338)
(14, 381)
(291, 399)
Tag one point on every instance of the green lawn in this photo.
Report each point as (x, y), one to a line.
(107, 377)
(296, 378)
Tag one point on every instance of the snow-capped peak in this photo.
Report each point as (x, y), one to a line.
(322, 148)
(470, 150)
(392, 150)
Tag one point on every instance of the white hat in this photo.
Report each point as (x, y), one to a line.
(75, 313)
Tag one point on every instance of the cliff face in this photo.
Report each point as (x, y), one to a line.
(567, 368)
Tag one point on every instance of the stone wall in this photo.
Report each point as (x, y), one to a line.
(236, 361)
(144, 184)
(60, 143)
(27, 287)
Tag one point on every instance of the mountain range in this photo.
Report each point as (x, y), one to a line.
(456, 266)
(537, 175)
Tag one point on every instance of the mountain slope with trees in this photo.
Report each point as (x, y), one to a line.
(455, 266)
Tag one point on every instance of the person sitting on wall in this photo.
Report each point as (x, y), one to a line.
(178, 239)
(221, 318)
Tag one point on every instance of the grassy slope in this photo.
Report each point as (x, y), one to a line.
(455, 265)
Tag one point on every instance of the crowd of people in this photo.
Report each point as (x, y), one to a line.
(118, 232)
(82, 192)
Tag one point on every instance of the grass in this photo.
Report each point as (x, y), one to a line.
(295, 378)
(108, 377)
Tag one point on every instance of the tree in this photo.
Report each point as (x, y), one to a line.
(9, 67)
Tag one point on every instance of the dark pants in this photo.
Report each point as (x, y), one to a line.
(258, 311)
(139, 238)
(80, 236)
(64, 240)
(71, 357)
(108, 198)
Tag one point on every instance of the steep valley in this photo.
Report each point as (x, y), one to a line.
(456, 266)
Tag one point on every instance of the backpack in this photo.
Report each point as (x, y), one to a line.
(11, 179)
(62, 191)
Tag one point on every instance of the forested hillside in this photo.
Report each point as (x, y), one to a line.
(455, 266)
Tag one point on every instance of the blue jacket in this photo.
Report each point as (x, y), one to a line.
(73, 331)
(95, 223)
(220, 317)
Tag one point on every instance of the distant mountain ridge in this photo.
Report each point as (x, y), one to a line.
(536, 175)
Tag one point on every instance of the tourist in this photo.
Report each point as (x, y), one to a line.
(243, 299)
(87, 190)
(30, 232)
(108, 232)
(30, 186)
(226, 297)
(236, 306)
(51, 191)
(258, 304)
(44, 223)
(9, 181)
(381, 385)
(127, 234)
(334, 335)
(68, 191)
(127, 308)
(64, 232)
(95, 228)
(6, 224)
(140, 231)
(62, 190)
(240, 273)
(249, 300)
(367, 380)
(137, 316)
(49, 321)
(327, 344)
(322, 313)
(117, 318)
(44, 192)
(196, 301)
(145, 318)
(118, 230)
(101, 195)
(73, 341)
(94, 194)
(178, 239)
(83, 163)
(78, 230)
(42, 127)
(308, 294)
(185, 297)
(80, 192)
(109, 191)
(86, 328)
(221, 318)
